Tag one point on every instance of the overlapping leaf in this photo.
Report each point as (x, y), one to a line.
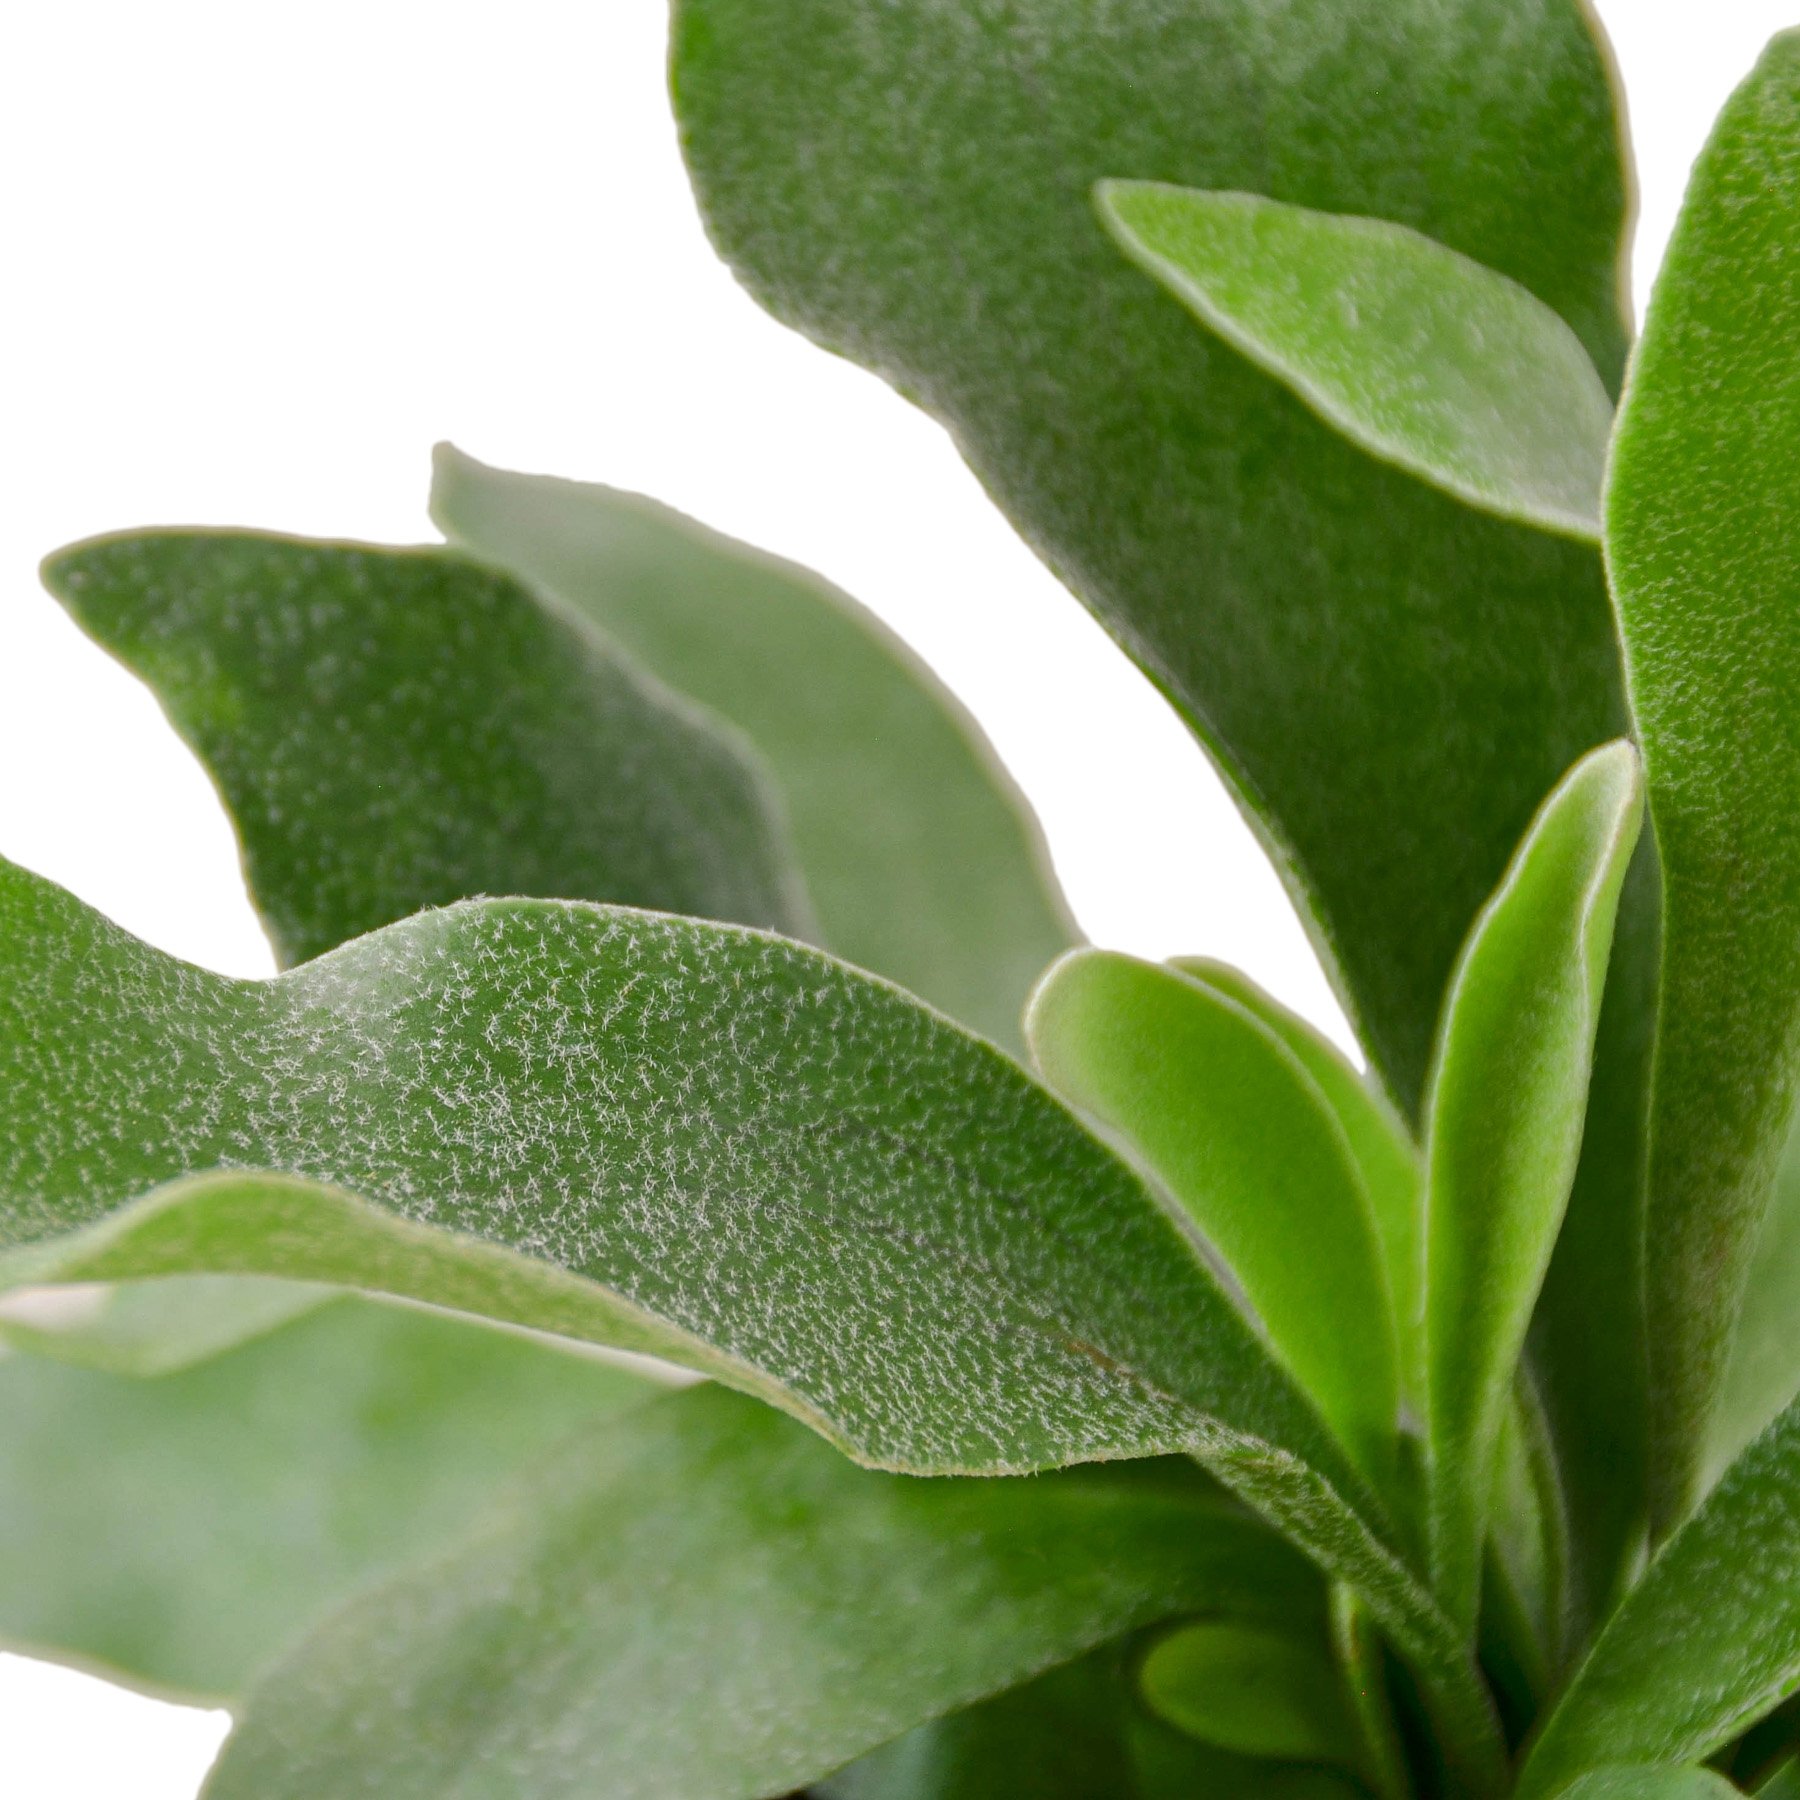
(706, 1601)
(675, 1136)
(1703, 541)
(176, 1532)
(1237, 1130)
(1504, 1117)
(394, 729)
(1706, 1643)
(1385, 1154)
(1425, 358)
(911, 184)
(923, 862)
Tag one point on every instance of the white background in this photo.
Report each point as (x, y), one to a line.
(260, 257)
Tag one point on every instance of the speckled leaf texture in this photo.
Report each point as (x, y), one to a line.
(922, 859)
(176, 1532)
(394, 729)
(1504, 1116)
(1703, 541)
(706, 1550)
(1228, 1119)
(1426, 359)
(1706, 1643)
(912, 184)
(1651, 1784)
(688, 1138)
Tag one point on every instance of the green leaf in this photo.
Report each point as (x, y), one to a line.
(175, 1533)
(772, 1163)
(1259, 1690)
(1504, 1122)
(1650, 1784)
(458, 736)
(705, 1601)
(1060, 1737)
(1425, 358)
(922, 858)
(153, 1327)
(1763, 1373)
(1704, 549)
(692, 1139)
(1385, 1154)
(1373, 663)
(1706, 1643)
(1228, 1119)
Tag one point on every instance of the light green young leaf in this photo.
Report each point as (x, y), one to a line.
(175, 1533)
(1268, 1691)
(459, 736)
(705, 1601)
(1705, 1644)
(922, 859)
(1504, 1123)
(1426, 359)
(1385, 1154)
(153, 1327)
(1763, 1373)
(911, 185)
(1228, 1119)
(1703, 542)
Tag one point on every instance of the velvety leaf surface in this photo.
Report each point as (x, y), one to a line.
(1763, 1374)
(706, 1601)
(911, 185)
(153, 1327)
(1259, 1690)
(1703, 540)
(1386, 1157)
(750, 1143)
(1226, 1116)
(685, 1138)
(1424, 358)
(176, 1532)
(1706, 1643)
(922, 859)
(395, 729)
(1504, 1124)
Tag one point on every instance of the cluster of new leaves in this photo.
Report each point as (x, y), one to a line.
(1419, 1433)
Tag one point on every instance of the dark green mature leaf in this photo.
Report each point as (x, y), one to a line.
(177, 1532)
(1706, 1643)
(706, 1601)
(922, 859)
(1385, 1154)
(1060, 1737)
(686, 1138)
(1426, 359)
(1268, 1691)
(1504, 1123)
(1227, 1117)
(911, 184)
(1703, 540)
(394, 729)
(153, 1327)
(1763, 1374)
